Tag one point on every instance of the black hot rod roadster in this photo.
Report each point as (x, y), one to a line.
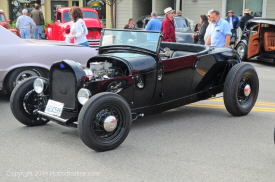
(134, 75)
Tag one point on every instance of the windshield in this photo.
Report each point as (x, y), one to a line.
(144, 39)
(86, 14)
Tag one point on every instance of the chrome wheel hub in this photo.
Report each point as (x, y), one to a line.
(110, 123)
(241, 51)
(247, 90)
(24, 75)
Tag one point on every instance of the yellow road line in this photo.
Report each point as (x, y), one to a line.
(257, 103)
(262, 109)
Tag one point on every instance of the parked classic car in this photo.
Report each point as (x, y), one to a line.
(133, 78)
(5, 22)
(258, 39)
(23, 58)
(182, 26)
(62, 23)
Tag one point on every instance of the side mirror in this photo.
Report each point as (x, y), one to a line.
(8, 21)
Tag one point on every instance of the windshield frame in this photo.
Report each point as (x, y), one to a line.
(105, 41)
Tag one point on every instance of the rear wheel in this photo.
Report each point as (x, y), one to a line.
(104, 121)
(24, 101)
(19, 75)
(241, 89)
(241, 48)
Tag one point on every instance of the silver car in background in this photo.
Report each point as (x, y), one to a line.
(183, 27)
(24, 58)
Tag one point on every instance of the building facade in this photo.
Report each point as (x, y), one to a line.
(125, 9)
(13, 8)
(191, 8)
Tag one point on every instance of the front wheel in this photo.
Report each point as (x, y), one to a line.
(241, 89)
(104, 121)
(24, 101)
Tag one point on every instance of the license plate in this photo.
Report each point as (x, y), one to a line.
(54, 108)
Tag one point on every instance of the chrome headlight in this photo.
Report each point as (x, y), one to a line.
(39, 85)
(83, 95)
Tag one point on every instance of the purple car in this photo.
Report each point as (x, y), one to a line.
(24, 58)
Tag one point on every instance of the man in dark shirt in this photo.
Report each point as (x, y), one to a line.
(38, 18)
(245, 18)
(168, 28)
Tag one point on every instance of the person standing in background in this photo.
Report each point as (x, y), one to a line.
(209, 27)
(168, 27)
(179, 13)
(24, 24)
(130, 24)
(234, 24)
(200, 35)
(245, 18)
(221, 34)
(38, 18)
(154, 23)
(78, 30)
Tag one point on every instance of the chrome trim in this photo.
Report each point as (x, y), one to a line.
(52, 116)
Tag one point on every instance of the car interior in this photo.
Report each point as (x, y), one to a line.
(180, 50)
(268, 37)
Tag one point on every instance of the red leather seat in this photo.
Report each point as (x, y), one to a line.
(269, 41)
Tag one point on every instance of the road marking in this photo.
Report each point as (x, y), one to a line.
(268, 107)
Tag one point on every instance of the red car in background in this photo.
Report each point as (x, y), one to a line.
(62, 24)
(5, 22)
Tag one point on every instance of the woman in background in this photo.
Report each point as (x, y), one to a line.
(130, 24)
(78, 29)
(200, 35)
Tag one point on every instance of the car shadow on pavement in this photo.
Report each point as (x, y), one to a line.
(255, 60)
(178, 116)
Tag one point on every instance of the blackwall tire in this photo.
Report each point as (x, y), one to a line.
(93, 116)
(19, 75)
(241, 48)
(241, 89)
(22, 103)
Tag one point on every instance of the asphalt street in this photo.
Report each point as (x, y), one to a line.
(197, 142)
